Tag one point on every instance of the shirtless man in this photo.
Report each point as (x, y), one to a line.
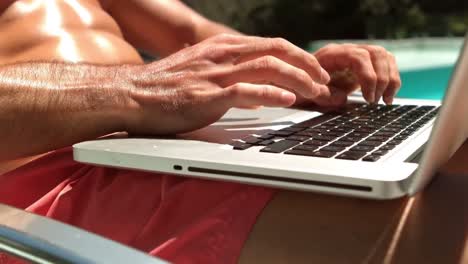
(206, 75)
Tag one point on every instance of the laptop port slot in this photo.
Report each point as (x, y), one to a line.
(283, 179)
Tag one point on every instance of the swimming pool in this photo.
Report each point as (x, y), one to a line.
(425, 84)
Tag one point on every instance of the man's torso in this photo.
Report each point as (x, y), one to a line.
(60, 30)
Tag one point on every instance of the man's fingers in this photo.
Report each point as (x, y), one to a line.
(361, 65)
(395, 80)
(282, 49)
(270, 70)
(247, 95)
(331, 96)
(357, 61)
(379, 57)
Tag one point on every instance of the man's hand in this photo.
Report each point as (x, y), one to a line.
(196, 86)
(371, 68)
(46, 106)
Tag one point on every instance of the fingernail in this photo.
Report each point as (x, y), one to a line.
(377, 97)
(388, 100)
(288, 97)
(324, 76)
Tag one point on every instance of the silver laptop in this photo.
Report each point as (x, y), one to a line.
(370, 151)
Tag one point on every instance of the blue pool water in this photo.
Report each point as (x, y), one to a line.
(425, 84)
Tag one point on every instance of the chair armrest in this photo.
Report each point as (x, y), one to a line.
(43, 240)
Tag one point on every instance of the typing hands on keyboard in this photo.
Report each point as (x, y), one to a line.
(360, 131)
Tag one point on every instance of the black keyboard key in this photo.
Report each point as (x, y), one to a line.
(315, 121)
(406, 133)
(240, 145)
(324, 127)
(280, 146)
(316, 130)
(371, 158)
(387, 147)
(332, 148)
(333, 123)
(408, 107)
(298, 138)
(364, 130)
(282, 133)
(380, 152)
(307, 134)
(352, 139)
(323, 154)
(377, 138)
(267, 136)
(293, 129)
(320, 154)
(359, 148)
(265, 142)
(299, 152)
(427, 107)
(351, 155)
(306, 147)
(342, 143)
(369, 126)
(252, 140)
(349, 127)
(342, 130)
(324, 138)
(384, 134)
(370, 143)
(400, 137)
(333, 134)
(391, 130)
(396, 126)
(315, 142)
(358, 134)
(394, 142)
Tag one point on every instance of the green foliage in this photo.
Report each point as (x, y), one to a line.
(304, 20)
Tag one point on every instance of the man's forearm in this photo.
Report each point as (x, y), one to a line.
(45, 106)
(162, 27)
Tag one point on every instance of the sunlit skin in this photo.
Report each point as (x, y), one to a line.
(202, 75)
(71, 30)
(109, 32)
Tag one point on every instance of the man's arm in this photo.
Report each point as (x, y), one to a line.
(45, 106)
(162, 27)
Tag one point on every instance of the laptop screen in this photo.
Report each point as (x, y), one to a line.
(451, 127)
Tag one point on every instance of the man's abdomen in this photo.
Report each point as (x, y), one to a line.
(62, 30)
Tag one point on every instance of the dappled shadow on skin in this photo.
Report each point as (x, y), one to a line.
(224, 120)
(436, 229)
(392, 229)
(432, 227)
(249, 126)
(305, 227)
(224, 134)
(221, 134)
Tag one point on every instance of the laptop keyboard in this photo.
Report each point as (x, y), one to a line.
(358, 132)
